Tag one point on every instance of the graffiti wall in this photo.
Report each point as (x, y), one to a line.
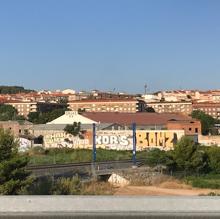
(164, 139)
(63, 140)
(116, 140)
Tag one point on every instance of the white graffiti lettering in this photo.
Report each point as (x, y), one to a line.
(112, 140)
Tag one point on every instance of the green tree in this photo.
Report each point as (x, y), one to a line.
(54, 114)
(7, 112)
(20, 118)
(34, 117)
(13, 176)
(42, 118)
(41, 186)
(74, 129)
(188, 156)
(207, 121)
(156, 157)
(13, 90)
(214, 159)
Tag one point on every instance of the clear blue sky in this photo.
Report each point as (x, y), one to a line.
(107, 44)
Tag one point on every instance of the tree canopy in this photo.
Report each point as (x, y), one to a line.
(42, 118)
(207, 121)
(8, 112)
(13, 90)
(13, 176)
(156, 157)
(214, 158)
(74, 129)
(188, 156)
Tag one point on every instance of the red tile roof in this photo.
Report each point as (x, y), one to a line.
(138, 118)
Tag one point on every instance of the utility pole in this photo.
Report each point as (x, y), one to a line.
(94, 143)
(94, 151)
(134, 144)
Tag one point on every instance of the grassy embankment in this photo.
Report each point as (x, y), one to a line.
(67, 186)
(40, 156)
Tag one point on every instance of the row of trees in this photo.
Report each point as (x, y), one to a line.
(13, 90)
(187, 157)
(207, 122)
(42, 118)
(8, 112)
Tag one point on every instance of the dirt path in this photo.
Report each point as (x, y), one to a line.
(154, 190)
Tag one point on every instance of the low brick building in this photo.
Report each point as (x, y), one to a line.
(17, 128)
(191, 127)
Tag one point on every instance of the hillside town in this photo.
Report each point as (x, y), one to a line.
(161, 118)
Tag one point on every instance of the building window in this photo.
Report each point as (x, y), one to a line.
(196, 130)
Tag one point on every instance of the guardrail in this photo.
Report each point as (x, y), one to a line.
(108, 207)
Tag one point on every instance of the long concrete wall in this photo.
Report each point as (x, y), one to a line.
(108, 207)
(117, 140)
(209, 140)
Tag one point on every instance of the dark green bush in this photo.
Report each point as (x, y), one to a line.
(206, 181)
(41, 186)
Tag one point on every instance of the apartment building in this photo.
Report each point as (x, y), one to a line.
(24, 108)
(212, 109)
(185, 95)
(108, 105)
(172, 107)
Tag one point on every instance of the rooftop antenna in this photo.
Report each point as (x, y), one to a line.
(145, 89)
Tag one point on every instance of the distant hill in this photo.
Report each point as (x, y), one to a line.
(13, 90)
